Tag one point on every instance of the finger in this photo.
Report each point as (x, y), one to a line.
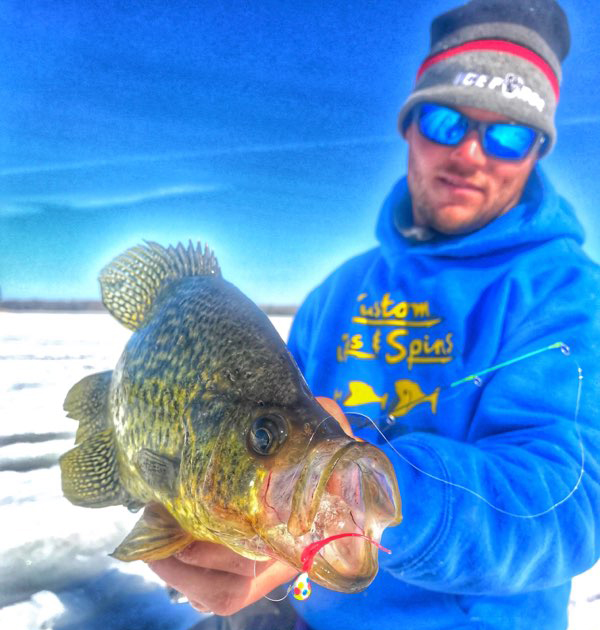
(217, 591)
(213, 556)
(198, 606)
(212, 590)
(335, 410)
(275, 575)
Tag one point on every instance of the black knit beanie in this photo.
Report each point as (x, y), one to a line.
(500, 55)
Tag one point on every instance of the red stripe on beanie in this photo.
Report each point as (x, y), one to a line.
(496, 45)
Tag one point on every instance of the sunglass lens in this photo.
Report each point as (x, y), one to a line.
(510, 142)
(442, 124)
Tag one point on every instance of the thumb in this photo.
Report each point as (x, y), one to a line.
(332, 408)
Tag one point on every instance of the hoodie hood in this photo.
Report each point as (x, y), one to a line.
(541, 215)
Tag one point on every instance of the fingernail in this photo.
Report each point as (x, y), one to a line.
(182, 553)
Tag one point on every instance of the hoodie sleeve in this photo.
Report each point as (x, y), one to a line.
(516, 507)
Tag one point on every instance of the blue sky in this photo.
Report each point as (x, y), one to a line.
(267, 129)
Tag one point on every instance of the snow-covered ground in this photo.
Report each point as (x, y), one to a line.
(55, 572)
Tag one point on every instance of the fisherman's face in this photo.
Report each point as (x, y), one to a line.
(459, 189)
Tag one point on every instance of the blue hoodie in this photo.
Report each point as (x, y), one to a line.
(480, 464)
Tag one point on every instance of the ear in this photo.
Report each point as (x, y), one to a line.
(409, 132)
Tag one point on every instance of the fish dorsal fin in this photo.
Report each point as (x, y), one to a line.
(156, 535)
(133, 280)
(87, 401)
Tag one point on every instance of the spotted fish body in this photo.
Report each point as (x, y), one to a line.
(207, 421)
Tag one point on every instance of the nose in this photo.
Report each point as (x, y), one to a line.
(469, 151)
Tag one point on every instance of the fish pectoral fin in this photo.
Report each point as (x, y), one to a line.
(155, 536)
(158, 471)
(87, 401)
(89, 472)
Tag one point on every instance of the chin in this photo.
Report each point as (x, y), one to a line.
(455, 221)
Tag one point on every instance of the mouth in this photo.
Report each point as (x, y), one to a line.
(349, 500)
(459, 185)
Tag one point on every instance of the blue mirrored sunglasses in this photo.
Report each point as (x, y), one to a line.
(506, 141)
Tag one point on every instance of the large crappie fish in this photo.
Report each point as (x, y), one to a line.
(208, 422)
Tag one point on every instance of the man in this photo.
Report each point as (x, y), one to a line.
(479, 266)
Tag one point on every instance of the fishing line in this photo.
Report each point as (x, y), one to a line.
(315, 431)
(289, 588)
(476, 379)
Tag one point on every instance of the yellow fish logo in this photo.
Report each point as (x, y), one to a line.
(410, 395)
(361, 394)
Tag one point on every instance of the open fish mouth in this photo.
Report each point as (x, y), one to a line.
(350, 490)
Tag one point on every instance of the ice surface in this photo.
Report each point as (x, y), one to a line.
(40, 611)
(55, 572)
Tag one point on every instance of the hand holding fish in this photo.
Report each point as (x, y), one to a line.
(216, 579)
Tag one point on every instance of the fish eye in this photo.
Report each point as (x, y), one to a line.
(267, 434)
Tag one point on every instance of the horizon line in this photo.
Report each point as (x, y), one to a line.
(64, 305)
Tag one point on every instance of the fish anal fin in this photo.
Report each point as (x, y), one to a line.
(159, 471)
(89, 472)
(87, 401)
(156, 535)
